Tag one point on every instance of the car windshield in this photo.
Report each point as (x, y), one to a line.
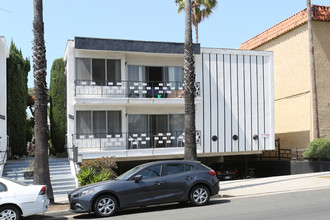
(128, 173)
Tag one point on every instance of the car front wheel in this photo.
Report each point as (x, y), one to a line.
(199, 195)
(105, 205)
(10, 212)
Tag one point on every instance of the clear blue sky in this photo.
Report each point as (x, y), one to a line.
(233, 22)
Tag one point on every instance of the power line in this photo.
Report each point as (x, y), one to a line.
(6, 10)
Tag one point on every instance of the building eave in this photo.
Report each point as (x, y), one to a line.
(132, 46)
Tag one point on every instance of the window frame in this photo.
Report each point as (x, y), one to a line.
(184, 168)
(91, 115)
(162, 166)
(91, 74)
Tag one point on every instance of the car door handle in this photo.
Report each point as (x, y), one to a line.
(188, 178)
(157, 183)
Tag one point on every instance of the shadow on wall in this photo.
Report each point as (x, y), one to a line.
(292, 140)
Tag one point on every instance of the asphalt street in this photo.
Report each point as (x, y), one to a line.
(312, 204)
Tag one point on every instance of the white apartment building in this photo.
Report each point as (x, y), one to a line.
(125, 99)
(3, 101)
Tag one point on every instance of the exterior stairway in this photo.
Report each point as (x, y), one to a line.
(61, 178)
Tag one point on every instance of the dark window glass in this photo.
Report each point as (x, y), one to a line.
(175, 168)
(150, 172)
(3, 187)
(98, 70)
(188, 167)
(99, 124)
(113, 70)
(114, 122)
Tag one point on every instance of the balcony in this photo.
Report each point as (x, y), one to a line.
(130, 141)
(131, 89)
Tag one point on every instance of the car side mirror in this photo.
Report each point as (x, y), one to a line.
(137, 178)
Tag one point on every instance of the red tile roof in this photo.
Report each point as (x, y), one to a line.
(319, 13)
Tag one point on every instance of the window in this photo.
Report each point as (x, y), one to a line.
(137, 123)
(113, 70)
(84, 122)
(114, 122)
(3, 187)
(188, 167)
(98, 70)
(83, 69)
(175, 168)
(176, 122)
(178, 168)
(175, 75)
(150, 172)
(98, 123)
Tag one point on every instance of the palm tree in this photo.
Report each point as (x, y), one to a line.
(189, 88)
(201, 9)
(41, 163)
(315, 119)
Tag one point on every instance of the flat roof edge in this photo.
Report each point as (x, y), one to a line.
(132, 46)
(236, 51)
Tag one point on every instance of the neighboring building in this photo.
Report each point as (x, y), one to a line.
(3, 101)
(125, 99)
(292, 82)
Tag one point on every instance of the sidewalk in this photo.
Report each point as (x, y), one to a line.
(272, 185)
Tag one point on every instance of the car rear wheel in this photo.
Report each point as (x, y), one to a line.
(199, 195)
(105, 205)
(10, 212)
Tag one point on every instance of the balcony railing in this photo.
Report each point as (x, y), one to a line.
(131, 140)
(131, 89)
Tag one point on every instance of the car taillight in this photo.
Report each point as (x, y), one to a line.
(218, 172)
(43, 191)
(212, 173)
(235, 171)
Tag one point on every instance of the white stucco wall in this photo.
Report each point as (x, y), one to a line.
(3, 98)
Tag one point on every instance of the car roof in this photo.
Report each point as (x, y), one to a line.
(172, 162)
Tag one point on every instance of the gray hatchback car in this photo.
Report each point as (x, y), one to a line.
(148, 184)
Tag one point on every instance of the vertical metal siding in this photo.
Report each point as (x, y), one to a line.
(213, 102)
(237, 100)
(227, 103)
(221, 103)
(207, 102)
(248, 103)
(241, 104)
(234, 102)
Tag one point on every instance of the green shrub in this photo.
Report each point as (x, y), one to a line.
(97, 170)
(318, 149)
(85, 176)
(17, 73)
(57, 115)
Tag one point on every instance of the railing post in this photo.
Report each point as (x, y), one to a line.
(75, 154)
(279, 148)
(296, 153)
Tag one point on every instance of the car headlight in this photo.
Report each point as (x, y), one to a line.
(86, 192)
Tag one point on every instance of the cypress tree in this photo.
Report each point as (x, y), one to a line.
(17, 73)
(57, 105)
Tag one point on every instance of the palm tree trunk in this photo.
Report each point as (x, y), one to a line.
(41, 163)
(315, 119)
(189, 88)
